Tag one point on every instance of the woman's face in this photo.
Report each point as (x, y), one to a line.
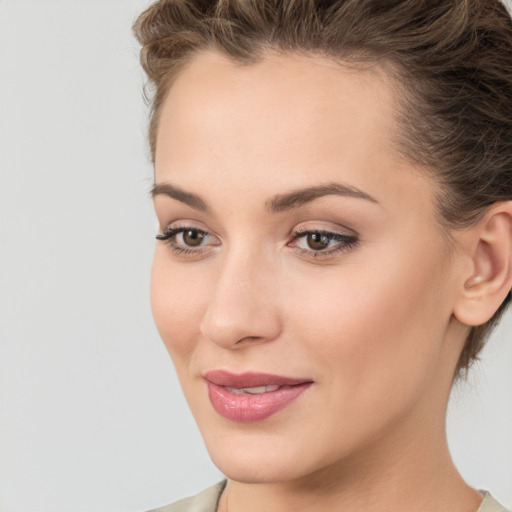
(302, 286)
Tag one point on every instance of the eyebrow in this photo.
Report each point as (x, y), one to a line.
(278, 203)
(296, 198)
(192, 200)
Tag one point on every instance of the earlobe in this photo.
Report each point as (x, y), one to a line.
(490, 280)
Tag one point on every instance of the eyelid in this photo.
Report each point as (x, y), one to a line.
(330, 226)
(345, 239)
(168, 234)
(184, 223)
(348, 239)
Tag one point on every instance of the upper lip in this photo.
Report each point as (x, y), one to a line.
(250, 379)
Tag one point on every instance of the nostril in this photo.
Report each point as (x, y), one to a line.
(238, 331)
(249, 340)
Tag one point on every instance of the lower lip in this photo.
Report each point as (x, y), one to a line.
(250, 408)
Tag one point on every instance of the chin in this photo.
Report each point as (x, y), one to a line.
(269, 457)
(257, 468)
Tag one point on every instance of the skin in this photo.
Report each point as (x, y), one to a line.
(372, 324)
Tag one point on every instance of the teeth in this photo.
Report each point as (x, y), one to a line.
(252, 391)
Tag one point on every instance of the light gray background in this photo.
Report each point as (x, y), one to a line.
(92, 418)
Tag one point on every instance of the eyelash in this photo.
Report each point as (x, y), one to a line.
(168, 235)
(346, 241)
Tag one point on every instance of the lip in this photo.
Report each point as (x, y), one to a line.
(228, 399)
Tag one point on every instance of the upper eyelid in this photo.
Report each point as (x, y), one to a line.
(176, 226)
(187, 224)
(328, 231)
(319, 224)
(340, 231)
(334, 235)
(173, 231)
(294, 232)
(169, 233)
(180, 226)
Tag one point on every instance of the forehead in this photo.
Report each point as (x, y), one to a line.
(285, 122)
(289, 96)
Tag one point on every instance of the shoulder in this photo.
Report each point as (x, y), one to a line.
(489, 504)
(205, 501)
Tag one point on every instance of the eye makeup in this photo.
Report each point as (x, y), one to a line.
(309, 242)
(320, 243)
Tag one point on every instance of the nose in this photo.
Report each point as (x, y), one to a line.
(243, 307)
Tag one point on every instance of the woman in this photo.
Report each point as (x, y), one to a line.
(333, 184)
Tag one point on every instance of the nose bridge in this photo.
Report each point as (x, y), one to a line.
(242, 306)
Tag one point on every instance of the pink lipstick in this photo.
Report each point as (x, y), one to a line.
(250, 397)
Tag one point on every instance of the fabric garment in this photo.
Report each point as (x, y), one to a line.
(208, 501)
(205, 501)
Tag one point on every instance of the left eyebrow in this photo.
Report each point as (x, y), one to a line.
(296, 198)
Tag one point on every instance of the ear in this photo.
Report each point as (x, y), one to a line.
(489, 281)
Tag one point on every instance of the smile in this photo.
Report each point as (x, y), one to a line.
(252, 391)
(251, 397)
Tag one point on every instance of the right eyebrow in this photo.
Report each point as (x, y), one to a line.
(192, 200)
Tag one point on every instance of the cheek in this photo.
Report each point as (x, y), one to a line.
(177, 306)
(375, 322)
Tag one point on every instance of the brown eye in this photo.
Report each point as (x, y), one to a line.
(188, 240)
(323, 244)
(193, 238)
(317, 241)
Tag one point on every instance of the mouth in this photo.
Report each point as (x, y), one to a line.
(251, 397)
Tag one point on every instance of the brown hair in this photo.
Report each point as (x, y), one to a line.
(452, 60)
